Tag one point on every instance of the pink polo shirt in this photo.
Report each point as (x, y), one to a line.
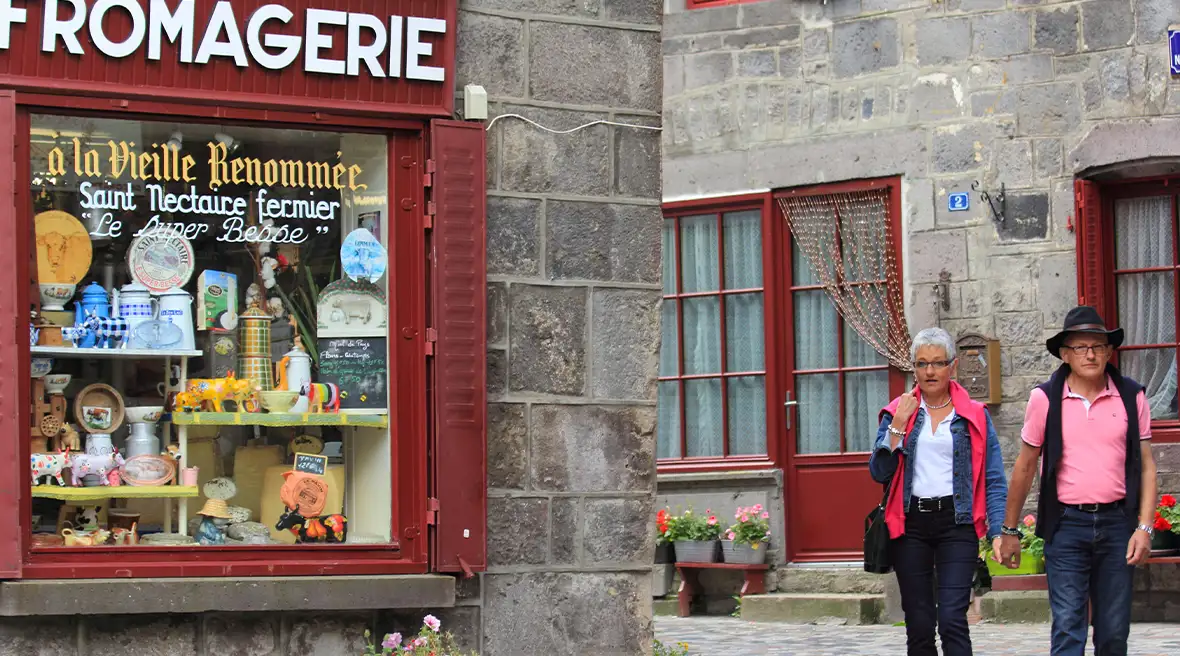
(1094, 437)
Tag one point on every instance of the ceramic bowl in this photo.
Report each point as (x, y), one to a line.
(55, 295)
(56, 383)
(278, 400)
(41, 366)
(143, 414)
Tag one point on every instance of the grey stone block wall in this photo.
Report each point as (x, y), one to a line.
(945, 94)
(573, 324)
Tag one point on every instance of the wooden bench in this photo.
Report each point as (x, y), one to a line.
(1041, 582)
(690, 584)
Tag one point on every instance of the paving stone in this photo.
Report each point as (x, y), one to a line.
(762, 37)
(637, 158)
(507, 446)
(38, 636)
(1152, 19)
(943, 41)
(518, 531)
(592, 448)
(548, 350)
(566, 534)
(1001, 34)
(491, 53)
(513, 236)
(959, 148)
(609, 537)
(1056, 30)
(757, 63)
(577, 163)
(707, 69)
(328, 634)
(150, 635)
(1107, 24)
(1048, 157)
(622, 369)
(600, 241)
(587, 64)
(242, 634)
(723, 636)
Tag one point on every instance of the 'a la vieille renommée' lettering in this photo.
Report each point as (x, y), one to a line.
(164, 163)
(371, 42)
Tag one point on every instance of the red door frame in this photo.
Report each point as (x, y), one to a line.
(845, 511)
(408, 552)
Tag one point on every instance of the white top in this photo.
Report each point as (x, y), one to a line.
(934, 464)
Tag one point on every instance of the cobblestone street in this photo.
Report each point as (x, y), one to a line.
(728, 636)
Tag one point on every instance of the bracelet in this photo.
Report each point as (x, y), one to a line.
(1146, 529)
(1010, 531)
(896, 432)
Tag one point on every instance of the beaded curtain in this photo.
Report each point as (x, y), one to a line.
(849, 247)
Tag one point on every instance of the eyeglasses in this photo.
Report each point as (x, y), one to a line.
(938, 365)
(1098, 349)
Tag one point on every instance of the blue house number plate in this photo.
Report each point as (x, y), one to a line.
(1174, 50)
(958, 202)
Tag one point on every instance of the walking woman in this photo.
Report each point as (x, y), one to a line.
(951, 492)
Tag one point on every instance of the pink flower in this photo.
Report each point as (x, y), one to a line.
(757, 507)
(432, 622)
(765, 515)
(1030, 520)
(744, 518)
(729, 535)
(392, 641)
(712, 520)
(418, 642)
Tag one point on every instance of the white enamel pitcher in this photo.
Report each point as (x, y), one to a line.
(294, 369)
(176, 307)
(134, 303)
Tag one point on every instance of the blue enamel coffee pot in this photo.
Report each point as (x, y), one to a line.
(95, 303)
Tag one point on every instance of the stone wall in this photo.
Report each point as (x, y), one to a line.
(779, 93)
(573, 324)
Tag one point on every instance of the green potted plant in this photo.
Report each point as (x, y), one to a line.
(695, 537)
(746, 541)
(664, 551)
(429, 642)
(1166, 525)
(1032, 552)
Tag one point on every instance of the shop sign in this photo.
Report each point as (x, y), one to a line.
(1174, 47)
(383, 46)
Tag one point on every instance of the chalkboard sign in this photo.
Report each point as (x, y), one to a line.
(311, 464)
(357, 365)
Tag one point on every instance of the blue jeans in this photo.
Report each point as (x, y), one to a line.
(933, 542)
(1086, 561)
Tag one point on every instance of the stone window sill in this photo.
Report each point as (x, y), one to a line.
(198, 595)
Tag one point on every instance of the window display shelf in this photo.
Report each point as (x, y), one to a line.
(279, 419)
(71, 352)
(100, 492)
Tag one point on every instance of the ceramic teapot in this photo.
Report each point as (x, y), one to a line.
(293, 372)
(176, 307)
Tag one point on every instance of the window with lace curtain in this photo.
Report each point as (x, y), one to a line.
(712, 371)
(1137, 269)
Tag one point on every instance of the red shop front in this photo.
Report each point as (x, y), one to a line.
(287, 184)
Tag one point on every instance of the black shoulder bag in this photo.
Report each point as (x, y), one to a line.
(877, 559)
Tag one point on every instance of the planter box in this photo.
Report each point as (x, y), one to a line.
(1164, 543)
(744, 554)
(665, 554)
(1029, 564)
(662, 577)
(697, 552)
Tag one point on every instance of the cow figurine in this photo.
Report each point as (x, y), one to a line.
(313, 529)
(85, 464)
(210, 392)
(186, 402)
(110, 332)
(50, 464)
(321, 395)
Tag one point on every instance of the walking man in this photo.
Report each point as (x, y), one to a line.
(1091, 428)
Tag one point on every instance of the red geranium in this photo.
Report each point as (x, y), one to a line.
(1168, 501)
(662, 521)
(1162, 524)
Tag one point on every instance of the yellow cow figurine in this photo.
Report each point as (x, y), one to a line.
(210, 392)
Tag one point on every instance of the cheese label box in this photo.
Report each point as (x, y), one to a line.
(217, 301)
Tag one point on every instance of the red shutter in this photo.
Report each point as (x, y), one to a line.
(459, 294)
(1091, 247)
(14, 359)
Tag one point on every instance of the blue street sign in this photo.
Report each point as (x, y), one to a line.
(958, 202)
(1174, 42)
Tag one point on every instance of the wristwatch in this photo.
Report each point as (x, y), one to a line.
(1146, 529)
(1008, 530)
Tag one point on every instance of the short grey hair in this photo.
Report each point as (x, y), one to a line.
(933, 337)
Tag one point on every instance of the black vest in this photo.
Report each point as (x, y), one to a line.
(1048, 506)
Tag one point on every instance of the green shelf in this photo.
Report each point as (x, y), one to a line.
(279, 419)
(100, 492)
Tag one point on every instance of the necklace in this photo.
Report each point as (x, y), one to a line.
(939, 407)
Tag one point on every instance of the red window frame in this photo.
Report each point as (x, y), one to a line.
(412, 518)
(720, 207)
(1097, 274)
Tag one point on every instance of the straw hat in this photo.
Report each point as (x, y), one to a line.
(215, 508)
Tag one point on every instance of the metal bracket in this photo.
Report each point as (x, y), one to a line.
(998, 214)
(787, 408)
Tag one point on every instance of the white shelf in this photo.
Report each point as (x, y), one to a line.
(71, 352)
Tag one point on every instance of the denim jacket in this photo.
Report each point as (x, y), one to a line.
(883, 465)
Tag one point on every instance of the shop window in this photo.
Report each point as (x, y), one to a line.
(1127, 268)
(211, 317)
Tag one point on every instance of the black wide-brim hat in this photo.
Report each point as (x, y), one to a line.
(1083, 319)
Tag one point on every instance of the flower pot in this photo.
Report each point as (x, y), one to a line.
(1029, 564)
(696, 552)
(662, 578)
(665, 553)
(743, 553)
(1164, 541)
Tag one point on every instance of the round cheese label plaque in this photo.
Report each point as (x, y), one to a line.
(161, 260)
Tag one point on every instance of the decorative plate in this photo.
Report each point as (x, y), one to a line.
(64, 251)
(98, 408)
(362, 256)
(160, 260)
(148, 470)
